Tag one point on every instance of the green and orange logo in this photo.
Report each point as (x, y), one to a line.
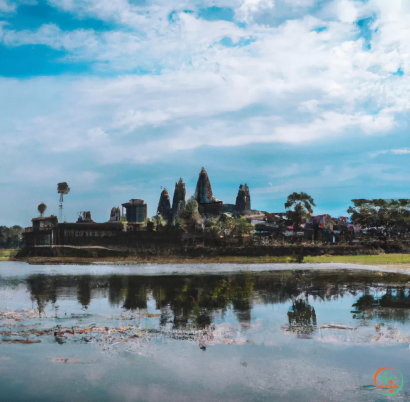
(388, 380)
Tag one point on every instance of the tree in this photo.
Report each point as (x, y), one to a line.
(302, 317)
(158, 220)
(11, 237)
(42, 208)
(302, 204)
(190, 216)
(392, 217)
(190, 211)
(242, 227)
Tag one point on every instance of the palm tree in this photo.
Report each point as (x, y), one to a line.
(302, 204)
(42, 208)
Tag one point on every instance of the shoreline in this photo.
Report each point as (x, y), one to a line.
(393, 262)
(170, 269)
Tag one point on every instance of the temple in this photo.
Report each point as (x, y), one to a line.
(164, 205)
(178, 202)
(136, 210)
(243, 199)
(207, 204)
(132, 229)
(115, 215)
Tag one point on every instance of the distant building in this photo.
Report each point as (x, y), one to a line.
(45, 223)
(44, 230)
(207, 204)
(135, 210)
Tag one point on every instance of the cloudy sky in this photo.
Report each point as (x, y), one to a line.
(121, 97)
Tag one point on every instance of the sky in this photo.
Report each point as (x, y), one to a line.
(122, 97)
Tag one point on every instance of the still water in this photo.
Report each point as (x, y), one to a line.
(144, 333)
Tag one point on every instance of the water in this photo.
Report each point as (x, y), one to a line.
(189, 333)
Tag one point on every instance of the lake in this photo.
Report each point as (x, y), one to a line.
(202, 333)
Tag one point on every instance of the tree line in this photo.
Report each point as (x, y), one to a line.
(11, 237)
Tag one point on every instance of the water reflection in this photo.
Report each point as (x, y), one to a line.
(195, 299)
(253, 336)
(302, 317)
(393, 305)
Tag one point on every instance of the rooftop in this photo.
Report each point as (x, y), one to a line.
(45, 218)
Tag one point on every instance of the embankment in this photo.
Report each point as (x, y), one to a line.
(280, 254)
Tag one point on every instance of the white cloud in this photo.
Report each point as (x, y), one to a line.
(313, 86)
(133, 119)
(251, 7)
(7, 7)
(97, 134)
(347, 11)
(391, 151)
(163, 85)
(401, 151)
(51, 35)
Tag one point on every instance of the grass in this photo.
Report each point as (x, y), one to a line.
(161, 260)
(7, 253)
(380, 259)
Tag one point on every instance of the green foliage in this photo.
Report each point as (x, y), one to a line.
(382, 259)
(393, 216)
(242, 227)
(217, 229)
(302, 204)
(190, 211)
(190, 216)
(227, 227)
(158, 221)
(178, 222)
(11, 237)
(6, 254)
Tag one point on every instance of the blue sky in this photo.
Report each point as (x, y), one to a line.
(119, 98)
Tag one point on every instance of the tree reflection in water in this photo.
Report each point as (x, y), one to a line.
(394, 305)
(195, 300)
(84, 290)
(302, 317)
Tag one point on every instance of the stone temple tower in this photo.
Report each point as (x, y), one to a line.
(243, 199)
(203, 193)
(178, 202)
(207, 204)
(164, 205)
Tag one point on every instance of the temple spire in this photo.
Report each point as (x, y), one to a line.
(243, 199)
(164, 205)
(178, 202)
(203, 193)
